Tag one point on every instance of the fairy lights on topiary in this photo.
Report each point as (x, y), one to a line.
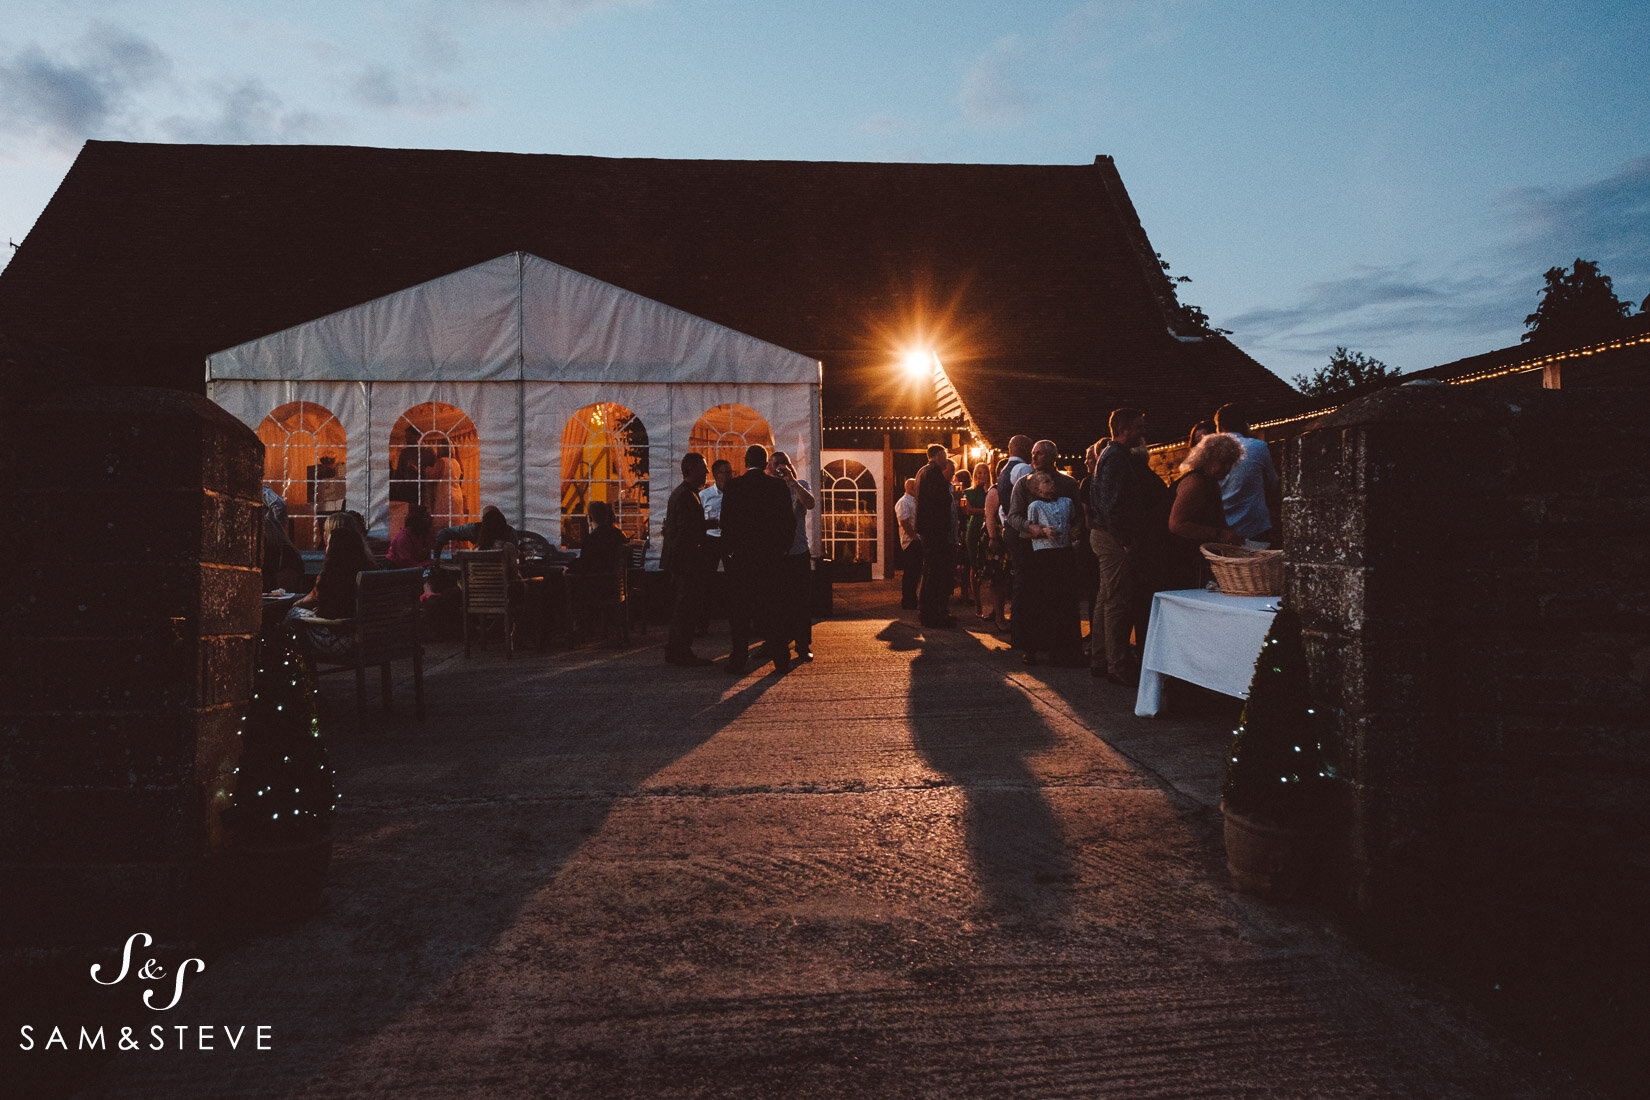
(284, 790)
(1277, 769)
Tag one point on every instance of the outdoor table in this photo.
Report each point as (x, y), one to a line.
(1207, 638)
(275, 609)
(546, 602)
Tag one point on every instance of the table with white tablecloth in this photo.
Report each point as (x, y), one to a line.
(1207, 638)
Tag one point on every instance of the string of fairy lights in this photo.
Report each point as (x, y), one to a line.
(1271, 659)
(268, 802)
(1488, 374)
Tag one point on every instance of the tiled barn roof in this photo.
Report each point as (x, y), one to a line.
(1036, 285)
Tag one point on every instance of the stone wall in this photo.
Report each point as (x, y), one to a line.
(1473, 572)
(129, 610)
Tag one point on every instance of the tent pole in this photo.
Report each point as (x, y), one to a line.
(521, 392)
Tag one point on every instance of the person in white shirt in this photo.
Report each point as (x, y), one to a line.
(710, 498)
(1253, 481)
(910, 546)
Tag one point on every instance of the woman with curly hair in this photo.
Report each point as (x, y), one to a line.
(1197, 515)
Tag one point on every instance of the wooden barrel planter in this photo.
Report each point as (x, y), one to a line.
(1276, 862)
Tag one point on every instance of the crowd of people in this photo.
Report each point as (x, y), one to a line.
(1037, 542)
(1027, 542)
(754, 527)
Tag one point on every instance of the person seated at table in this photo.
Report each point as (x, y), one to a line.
(333, 596)
(1197, 514)
(411, 546)
(486, 534)
(601, 554)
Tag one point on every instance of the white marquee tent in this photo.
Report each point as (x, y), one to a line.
(541, 388)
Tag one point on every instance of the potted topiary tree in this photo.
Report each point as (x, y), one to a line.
(279, 821)
(1279, 792)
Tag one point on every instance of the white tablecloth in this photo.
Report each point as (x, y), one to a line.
(1204, 637)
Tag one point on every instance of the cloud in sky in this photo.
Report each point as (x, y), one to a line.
(62, 99)
(244, 112)
(1606, 220)
(115, 83)
(384, 89)
(560, 11)
(993, 89)
(1479, 302)
(1377, 309)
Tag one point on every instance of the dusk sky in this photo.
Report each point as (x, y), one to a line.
(1393, 177)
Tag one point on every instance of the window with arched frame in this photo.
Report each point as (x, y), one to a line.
(725, 431)
(848, 511)
(604, 457)
(304, 456)
(434, 457)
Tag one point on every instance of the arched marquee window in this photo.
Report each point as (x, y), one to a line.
(725, 432)
(434, 458)
(848, 513)
(604, 457)
(304, 456)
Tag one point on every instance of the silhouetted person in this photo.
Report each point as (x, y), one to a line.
(686, 559)
(937, 527)
(792, 588)
(1121, 496)
(757, 527)
(910, 546)
(1053, 605)
(1017, 467)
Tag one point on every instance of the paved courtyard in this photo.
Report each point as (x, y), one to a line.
(912, 867)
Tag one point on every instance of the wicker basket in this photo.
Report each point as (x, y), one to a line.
(1240, 571)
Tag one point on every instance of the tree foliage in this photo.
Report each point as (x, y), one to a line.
(1188, 319)
(1278, 768)
(1345, 370)
(1576, 306)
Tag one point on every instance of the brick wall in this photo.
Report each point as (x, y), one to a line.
(1473, 571)
(129, 610)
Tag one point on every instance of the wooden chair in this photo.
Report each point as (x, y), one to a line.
(485, 580)
(383, 629)
(604, 595)
(635, 597)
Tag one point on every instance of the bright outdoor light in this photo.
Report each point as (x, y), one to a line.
(917, 362)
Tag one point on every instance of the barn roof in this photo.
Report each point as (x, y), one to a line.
(1035, 284)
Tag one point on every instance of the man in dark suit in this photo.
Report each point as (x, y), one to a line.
(685, 559)
(757, 527)
(937, 527)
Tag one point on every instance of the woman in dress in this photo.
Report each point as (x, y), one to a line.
(333, 596)
(994, 563)
(1197, 514)
(447, 493)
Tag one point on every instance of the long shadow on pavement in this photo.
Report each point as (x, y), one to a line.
(445, 830)
(978, 731)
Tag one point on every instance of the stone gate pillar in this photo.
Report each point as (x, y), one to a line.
(1473, 575)
(129, 610)
(1381, 501)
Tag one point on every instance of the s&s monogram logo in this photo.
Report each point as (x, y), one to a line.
(150, 971)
